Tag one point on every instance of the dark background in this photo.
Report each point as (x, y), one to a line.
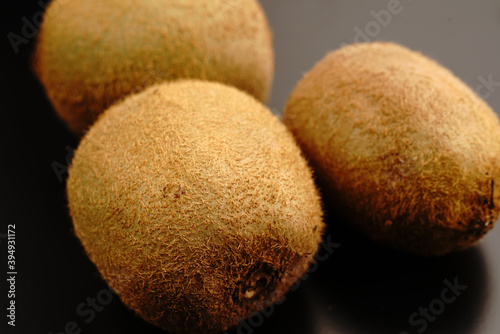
(360, 288)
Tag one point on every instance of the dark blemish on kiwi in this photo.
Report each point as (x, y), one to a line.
(180, 192)
(479, 229)
(198, 281)
(260, 281)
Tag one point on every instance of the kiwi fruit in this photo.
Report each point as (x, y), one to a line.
(405, 151)
(91, 54)
(195, 204)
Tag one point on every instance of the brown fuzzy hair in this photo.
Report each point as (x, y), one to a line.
(195, 204)
(408, 153)
(93, 53)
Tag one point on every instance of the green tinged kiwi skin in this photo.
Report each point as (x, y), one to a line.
(195, 204)
(408, 153)
(91, 54)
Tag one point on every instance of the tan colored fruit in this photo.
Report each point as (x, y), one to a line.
(409, 153)
(92, 53)
(195, 204)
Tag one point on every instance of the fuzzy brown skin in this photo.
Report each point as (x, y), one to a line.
(195, 204)
(408, 152)
(92, 53)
